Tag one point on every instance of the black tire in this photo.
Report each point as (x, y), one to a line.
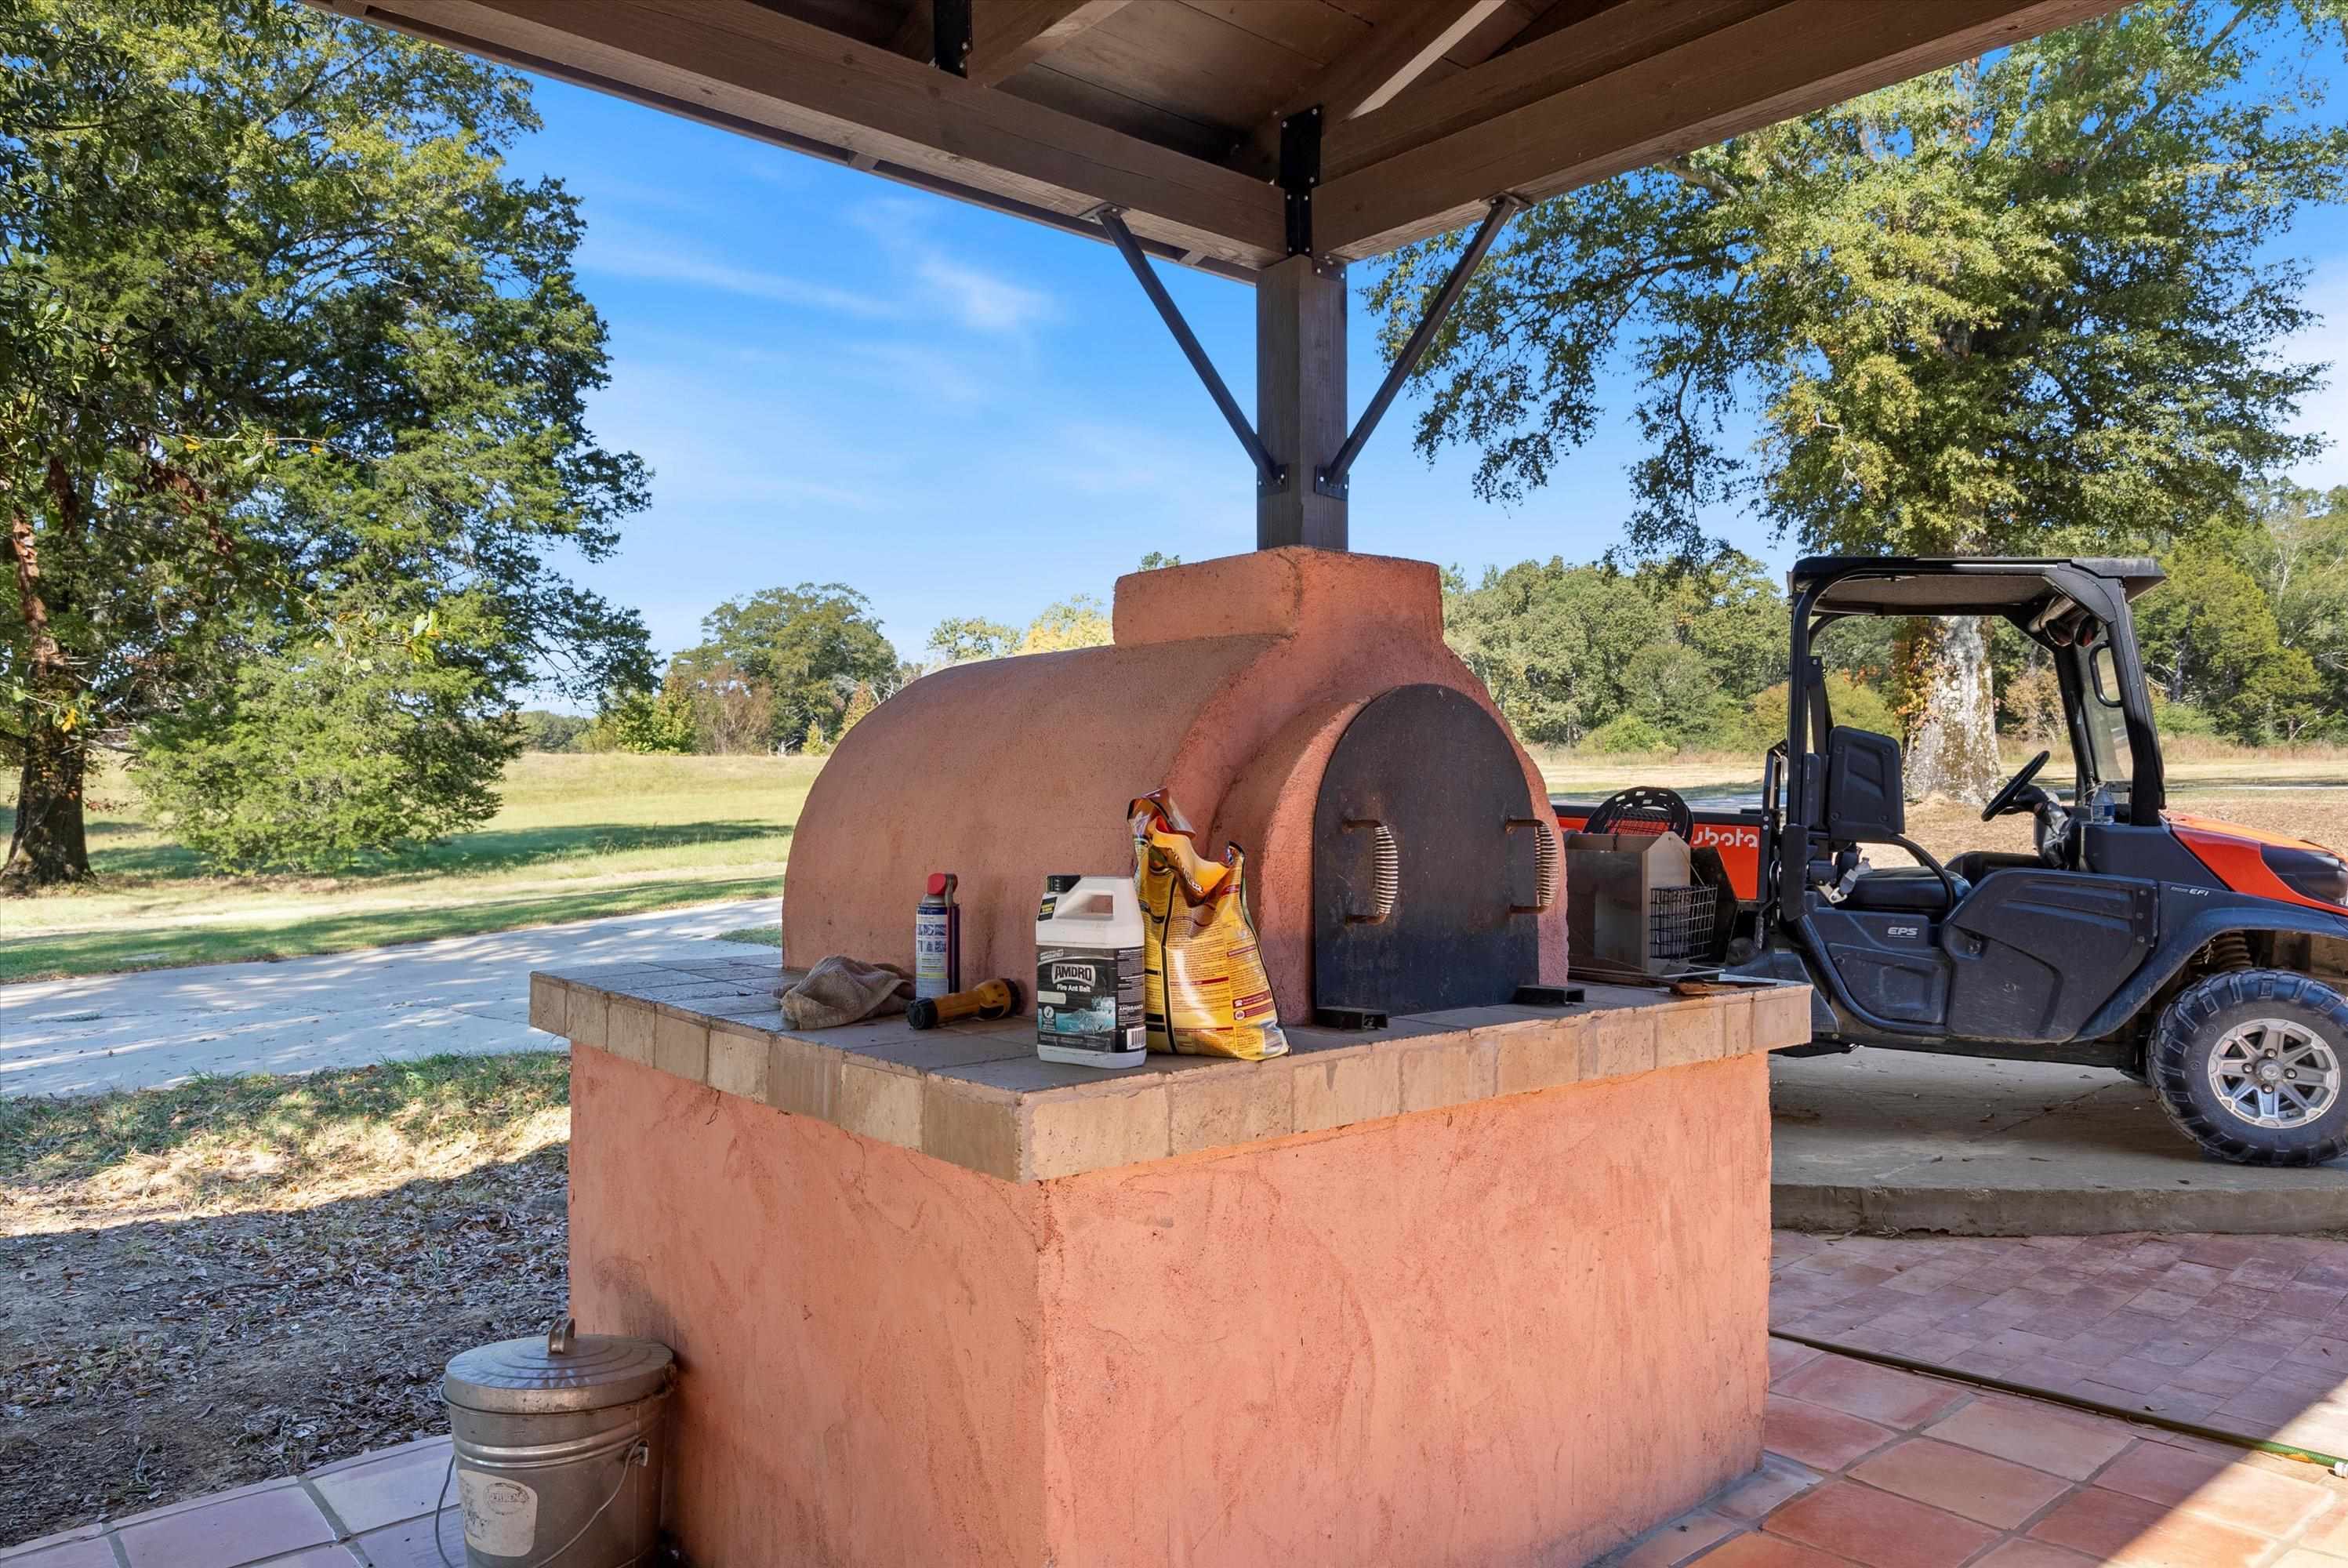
(2200, 1017)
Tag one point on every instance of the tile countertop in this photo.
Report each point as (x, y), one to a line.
(976, 1094)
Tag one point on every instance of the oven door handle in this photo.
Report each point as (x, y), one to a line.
(1545, 865)
(1385, 874)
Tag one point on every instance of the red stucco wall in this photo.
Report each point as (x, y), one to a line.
(1516, 1331)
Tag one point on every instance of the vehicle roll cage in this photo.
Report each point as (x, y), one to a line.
(2070, 606)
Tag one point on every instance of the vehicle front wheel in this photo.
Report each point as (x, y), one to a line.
(2249, 1066)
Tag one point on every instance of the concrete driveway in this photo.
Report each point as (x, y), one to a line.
(460, 994)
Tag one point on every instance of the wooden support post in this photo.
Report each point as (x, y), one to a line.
(1300, 397)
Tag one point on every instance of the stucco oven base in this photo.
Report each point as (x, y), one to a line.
(1516, 1330)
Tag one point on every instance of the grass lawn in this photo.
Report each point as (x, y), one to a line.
(579, 836)
(585, 836)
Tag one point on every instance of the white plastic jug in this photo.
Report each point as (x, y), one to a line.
(1088, 974)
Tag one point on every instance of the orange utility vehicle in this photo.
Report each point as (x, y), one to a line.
(2206, 958)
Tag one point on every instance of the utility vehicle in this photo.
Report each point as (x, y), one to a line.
(2208, 959)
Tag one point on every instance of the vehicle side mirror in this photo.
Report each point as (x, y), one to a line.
(1866, 802)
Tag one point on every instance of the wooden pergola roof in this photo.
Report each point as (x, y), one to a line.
(1171, 109)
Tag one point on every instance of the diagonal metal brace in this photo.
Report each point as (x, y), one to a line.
(1270, 477)
(1331, 480)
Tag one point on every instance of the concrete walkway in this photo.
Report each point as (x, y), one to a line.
(1905, 1141)
(461, 994)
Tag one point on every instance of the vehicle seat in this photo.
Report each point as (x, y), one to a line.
(1902, 889)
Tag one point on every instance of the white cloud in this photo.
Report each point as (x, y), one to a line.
(2326, 342)
(612, 252)
(979, 300)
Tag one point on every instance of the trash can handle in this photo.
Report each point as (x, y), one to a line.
(558, 1337)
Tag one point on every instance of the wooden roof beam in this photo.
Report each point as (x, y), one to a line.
(1788, 60)
(1394, 54)
(740, 66)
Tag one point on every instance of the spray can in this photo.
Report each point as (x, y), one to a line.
(937, 940)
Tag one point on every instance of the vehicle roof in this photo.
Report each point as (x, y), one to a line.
(1956, 585)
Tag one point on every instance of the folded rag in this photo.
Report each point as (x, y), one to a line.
(844, 991)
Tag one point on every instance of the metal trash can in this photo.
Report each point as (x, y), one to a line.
(558, 1448)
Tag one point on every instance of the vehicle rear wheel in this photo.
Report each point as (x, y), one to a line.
(2251, 1065)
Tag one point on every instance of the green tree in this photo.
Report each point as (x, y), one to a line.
(960, 640)
(2026, 305)
(645, 722)
(545, 731)
(2209, 629)
(2299, 554)
(291, 418)
(808, 646)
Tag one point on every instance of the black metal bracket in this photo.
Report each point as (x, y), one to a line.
(1300, 171)
(1270, 477)
(1548, 996)
(950, 35)
(1349, 1018)
(1332, 480)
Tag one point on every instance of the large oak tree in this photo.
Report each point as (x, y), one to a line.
(2026, 306)
(292, 433)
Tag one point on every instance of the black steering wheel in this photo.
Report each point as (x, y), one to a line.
(2005, 799)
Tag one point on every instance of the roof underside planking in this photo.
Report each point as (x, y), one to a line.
(1170, 110)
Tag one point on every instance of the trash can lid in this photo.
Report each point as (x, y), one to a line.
(561, 1370)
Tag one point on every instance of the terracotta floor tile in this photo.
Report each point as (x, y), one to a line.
(1878, 1393)
(1785, 1357)
(2132, 1532)
(2328, 1533)
(1962, 1480)
(396, 1486)
(2058, 1441)
(1677, 1542)
(1766, 1552)
(2230, 1491)
(1822, 1439)
(410, 1546)
(1777, 1480)
(1877, 1528)
(2034, 1554)
(228, 1532)
(2302, 1558)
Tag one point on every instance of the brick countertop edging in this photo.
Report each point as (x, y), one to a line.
(977, 1096)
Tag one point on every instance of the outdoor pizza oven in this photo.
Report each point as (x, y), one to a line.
(1301, 703)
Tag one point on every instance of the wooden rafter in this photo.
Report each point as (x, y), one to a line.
(1394, 56)
(1391, 58)
(1726, 82)
(739, 64)
(1009, 36)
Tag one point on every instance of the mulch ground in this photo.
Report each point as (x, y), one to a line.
(152, 1360)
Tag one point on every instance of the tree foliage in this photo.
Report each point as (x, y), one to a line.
(1565, 650)
(808, 648)
(2028, 304)
(2251, 627)
(291, 382)
(1082, 622)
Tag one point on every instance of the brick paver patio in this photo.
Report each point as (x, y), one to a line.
(2247, 1334)
(1867, 1465)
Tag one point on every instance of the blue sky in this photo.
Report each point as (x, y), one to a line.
(835, 378)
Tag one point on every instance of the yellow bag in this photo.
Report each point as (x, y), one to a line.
(1204, 991)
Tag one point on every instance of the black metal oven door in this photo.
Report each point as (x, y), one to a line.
(1427, 867)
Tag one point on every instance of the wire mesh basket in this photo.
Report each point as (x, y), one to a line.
(1679, 924)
